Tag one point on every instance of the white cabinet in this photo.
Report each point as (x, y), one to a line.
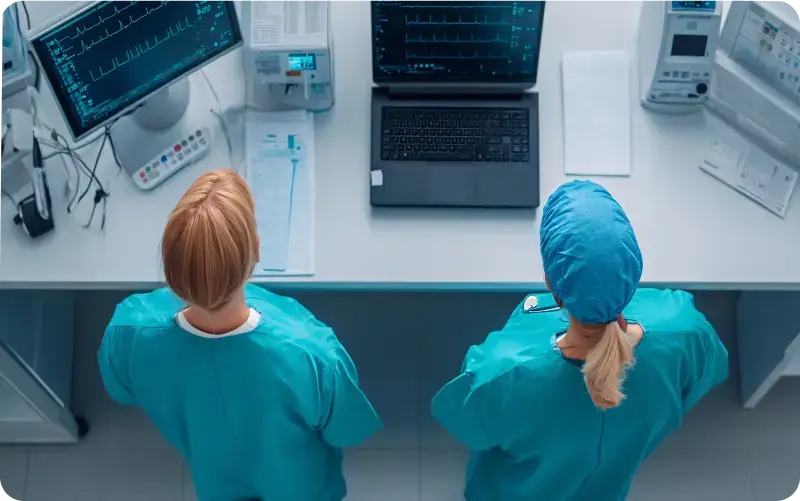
(37, 333)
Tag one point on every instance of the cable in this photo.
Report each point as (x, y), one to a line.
(19, 24)
(218, 114)
(94, 168)
(37, 77)
(27, 14)
(213, 91)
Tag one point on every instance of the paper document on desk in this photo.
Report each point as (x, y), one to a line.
(280, 167)
(753, 173)
(597, 113)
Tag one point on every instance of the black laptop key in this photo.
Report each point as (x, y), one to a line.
(455, 135)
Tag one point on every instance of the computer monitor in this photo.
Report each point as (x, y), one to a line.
(109, 57)
(423, 41)
(122, 65)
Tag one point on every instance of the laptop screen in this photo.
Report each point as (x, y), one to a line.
(468, 41)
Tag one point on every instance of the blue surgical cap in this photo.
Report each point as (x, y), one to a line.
(590, 255)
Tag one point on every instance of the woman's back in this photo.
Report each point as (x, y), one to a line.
(259, 414)
(524, 410)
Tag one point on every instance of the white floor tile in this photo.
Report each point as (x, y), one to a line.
(693, 475)
(13, 471)
(442, 474)
(386, 475)
(773, 424)
(94, 475)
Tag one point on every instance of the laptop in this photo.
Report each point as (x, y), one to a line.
(452, 122)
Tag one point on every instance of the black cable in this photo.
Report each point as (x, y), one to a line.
(114, 152)
(37, 77)
(99, 196)
(19, 24)
(58, 138)
(94, 168)
(27, 14)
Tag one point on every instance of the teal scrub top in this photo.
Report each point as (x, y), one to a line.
(524, 411)
(260, 415)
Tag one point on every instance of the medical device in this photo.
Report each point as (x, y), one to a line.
(677, 45)
(288, 55)
(756, 86)
(121, 66)
(16, 71)
(34, 212)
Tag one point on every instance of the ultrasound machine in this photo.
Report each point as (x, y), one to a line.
(452, 122)
(121, 66)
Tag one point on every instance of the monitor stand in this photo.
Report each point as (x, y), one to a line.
(153, 129)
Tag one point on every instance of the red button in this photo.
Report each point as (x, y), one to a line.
(143, 175)
(177, 148)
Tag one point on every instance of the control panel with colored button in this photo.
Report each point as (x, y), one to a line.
(183, 153)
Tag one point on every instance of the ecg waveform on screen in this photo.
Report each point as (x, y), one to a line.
(456, 38)
(109, 106)
(115, 51)
(445, 38)
(476, 20)
(138, 50)
(82, 30)
(459, 55)
(454, 6)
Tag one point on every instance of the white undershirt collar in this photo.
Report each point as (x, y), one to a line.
(248, 326)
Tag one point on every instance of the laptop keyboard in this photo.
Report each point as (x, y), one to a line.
(455, 135)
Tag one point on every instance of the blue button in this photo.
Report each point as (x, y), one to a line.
(163, 159)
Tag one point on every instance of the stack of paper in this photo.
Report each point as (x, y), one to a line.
(280, 171)
(597, 113)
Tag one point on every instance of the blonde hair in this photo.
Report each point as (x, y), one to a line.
(605, 367)
(210, 244)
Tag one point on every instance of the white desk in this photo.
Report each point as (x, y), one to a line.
(693, 230)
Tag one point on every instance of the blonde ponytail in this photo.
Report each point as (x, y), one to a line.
(605, 366)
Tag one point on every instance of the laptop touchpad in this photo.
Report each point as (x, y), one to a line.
(446, 184)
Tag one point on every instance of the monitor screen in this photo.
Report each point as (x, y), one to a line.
(419, 41)
(111, 55)
(689, 45)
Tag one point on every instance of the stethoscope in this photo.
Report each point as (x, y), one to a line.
(531, 305)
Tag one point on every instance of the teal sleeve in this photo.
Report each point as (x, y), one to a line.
(712, 369)
(459, 409)
(349, 418)
(113, 360)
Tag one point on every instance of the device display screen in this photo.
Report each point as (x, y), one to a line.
(694, 5)
(109, 56)
(470, 41)
(300, 62)
(689, 45)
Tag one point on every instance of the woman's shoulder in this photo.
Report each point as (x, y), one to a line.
(151, 309)
(664, 310)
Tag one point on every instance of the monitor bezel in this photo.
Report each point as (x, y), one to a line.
(52, 24)
(527, 80)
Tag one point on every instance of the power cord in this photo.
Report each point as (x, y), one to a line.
(61, 148)
(218, 114)
(27, 14)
